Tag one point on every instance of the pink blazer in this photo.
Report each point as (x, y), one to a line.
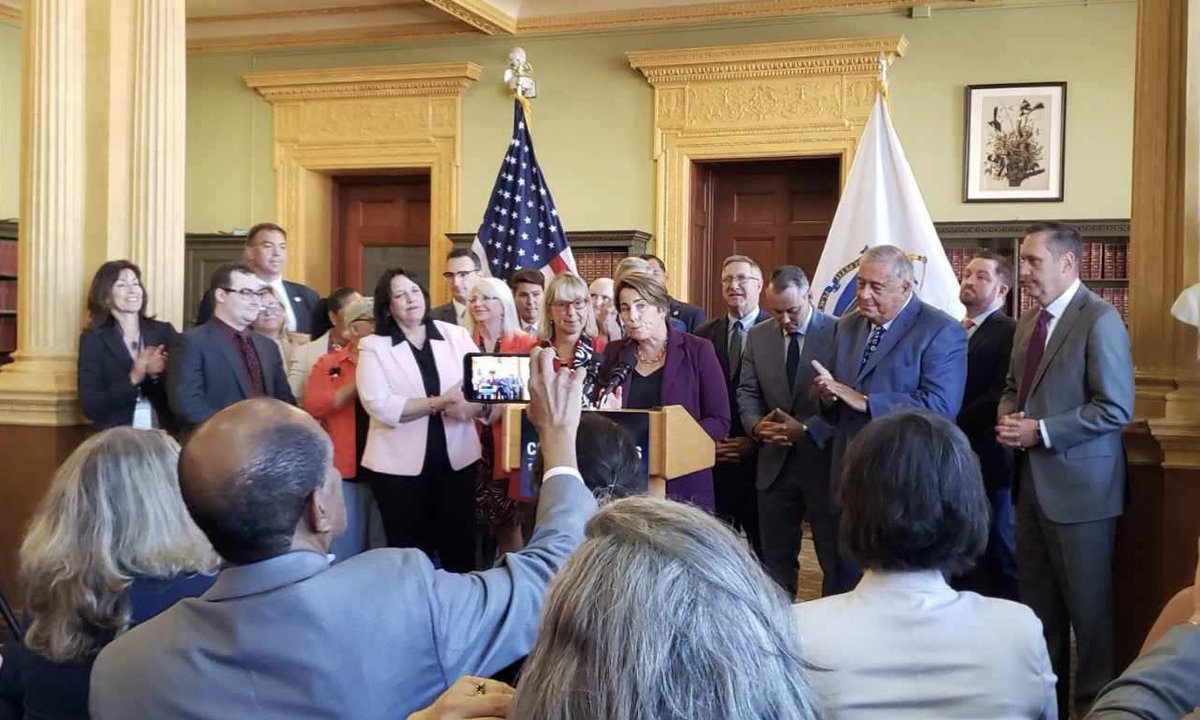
(388, 377)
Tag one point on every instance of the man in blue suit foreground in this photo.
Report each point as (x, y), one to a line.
(892, 352)
(284, 634)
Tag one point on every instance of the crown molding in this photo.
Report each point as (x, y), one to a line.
(331, 38)
(425, 79)
(737, 62)
(479, 14)
(309, 12)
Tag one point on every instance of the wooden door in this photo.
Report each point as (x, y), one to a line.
(776, 212)
(382, 222)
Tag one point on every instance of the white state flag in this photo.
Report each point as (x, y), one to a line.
(882, 205)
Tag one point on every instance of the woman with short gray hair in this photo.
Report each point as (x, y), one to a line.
(663, 614)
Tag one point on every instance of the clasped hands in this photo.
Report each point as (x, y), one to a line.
(1016, 431)
(830, 390)
(776, 428)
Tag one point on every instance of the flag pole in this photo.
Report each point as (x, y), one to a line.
(882, 81)
(518, 77)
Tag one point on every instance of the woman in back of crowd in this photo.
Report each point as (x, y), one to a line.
(328, 336)
(422, 452)
(495, 328)
(123, 353)
(271, 323)
(903, 643)
(663, 613)
(331, 396)
(110, 546)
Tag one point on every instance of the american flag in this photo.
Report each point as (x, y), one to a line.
(521, 228)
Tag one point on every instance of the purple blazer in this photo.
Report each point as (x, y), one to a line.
(692, 377)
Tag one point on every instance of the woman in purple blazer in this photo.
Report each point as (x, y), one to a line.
(663, 366)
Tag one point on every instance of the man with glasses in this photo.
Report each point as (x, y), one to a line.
(733, 475)
(266, 253)
(223, 361)
(462, 270)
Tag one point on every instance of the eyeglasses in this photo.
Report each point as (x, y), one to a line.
(739, 279)
(460, 275)
(249, 294)
(272, 309)
(576, 305)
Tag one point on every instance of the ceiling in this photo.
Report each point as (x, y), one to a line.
(225, 25)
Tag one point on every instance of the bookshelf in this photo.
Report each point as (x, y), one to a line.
(1104, 266)
(597, 252)
(8, 290)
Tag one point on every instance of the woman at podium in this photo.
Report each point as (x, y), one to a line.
(655, 365)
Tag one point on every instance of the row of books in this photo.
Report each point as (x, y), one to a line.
(8, 333)
(1118, 297)
(1100, 261)
(8, 295)
(8, 258)
(594, 264)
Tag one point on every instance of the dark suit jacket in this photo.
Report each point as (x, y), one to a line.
(207, 374)
(445, 313)
(716, 331)
(921, 363)
(691, 316)
(303, 299)
(988, 351)
(691, 378)
(107, 397)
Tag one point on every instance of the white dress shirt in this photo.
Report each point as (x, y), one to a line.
(802, 329)
(460, 312)
(747, 322)
(978, 320)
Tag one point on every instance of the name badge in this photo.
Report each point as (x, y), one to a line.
(143, 415)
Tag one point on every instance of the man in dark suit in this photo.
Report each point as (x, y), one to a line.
(690, 316)
(984, 288)
(733, 475)
(1068, 396)
(893, 351)
(266, 253)
(223, 361)
(777, 405)
(462, 270)
(286, 634)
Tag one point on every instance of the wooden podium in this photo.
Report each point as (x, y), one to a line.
(678, 445)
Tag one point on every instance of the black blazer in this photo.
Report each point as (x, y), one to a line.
(717, 332)
(207, 374)
(988, 353)
(691, 316)
(303, 299)
(107, 397)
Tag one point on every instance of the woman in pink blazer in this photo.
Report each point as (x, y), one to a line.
(422, 449)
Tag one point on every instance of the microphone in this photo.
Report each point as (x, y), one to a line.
(590, 377)
(619, 374)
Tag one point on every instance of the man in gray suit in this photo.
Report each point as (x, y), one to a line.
(777, 405)
(284, 634)
(1068, 395)
(462, 270)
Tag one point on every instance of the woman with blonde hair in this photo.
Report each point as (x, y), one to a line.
(494, 325)
(617, 642)
(111, 545)
(568, 322)
(271, 323)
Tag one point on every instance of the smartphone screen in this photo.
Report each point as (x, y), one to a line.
(496, 378)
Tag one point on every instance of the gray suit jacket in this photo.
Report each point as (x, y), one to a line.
(1083, 391)
(378, 636)
(445, 313)
(763, 386)
(1162, 684)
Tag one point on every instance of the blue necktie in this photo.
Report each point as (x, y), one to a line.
(872, 344)
(793, 359)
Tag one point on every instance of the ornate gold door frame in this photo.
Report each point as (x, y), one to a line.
(738, 102)
(342, 120)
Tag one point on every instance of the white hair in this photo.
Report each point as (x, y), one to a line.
(491, 287)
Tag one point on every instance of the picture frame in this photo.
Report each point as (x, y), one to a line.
(1014, 142)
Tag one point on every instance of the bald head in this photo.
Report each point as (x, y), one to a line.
(247, 474)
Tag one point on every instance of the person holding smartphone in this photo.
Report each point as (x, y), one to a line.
(422, 452)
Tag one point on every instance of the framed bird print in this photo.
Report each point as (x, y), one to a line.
(1014, 142)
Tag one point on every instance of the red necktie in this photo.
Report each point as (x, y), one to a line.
(1033, 357)
(253, 365)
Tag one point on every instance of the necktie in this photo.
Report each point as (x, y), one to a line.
(253, 366)
(872, 343)
(530, 330)
(735, 350)
(1033, 356)
(967, 324)
(793, 359)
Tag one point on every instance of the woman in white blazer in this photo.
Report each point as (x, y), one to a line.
(422, 448)
(904, 644)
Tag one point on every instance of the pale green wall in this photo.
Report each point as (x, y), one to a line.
(592, 123)
(10, 119)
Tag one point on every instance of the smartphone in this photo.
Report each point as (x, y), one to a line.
(496, 378)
